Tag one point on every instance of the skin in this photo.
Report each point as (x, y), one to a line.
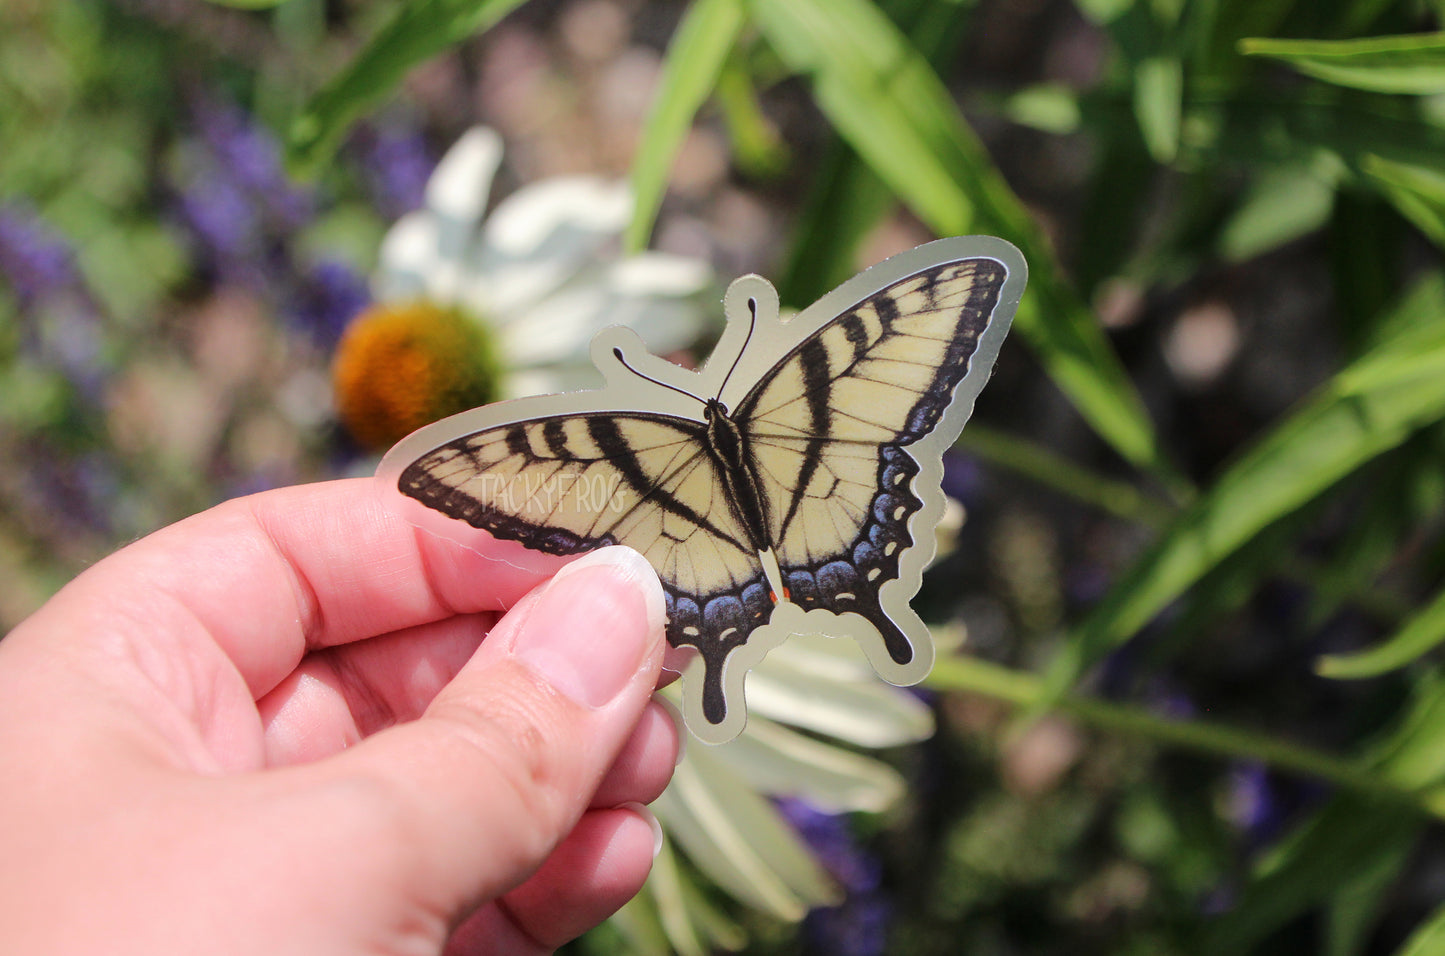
(297, 724)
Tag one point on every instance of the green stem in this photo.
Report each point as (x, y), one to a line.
(1026, 691)
(1054, 471)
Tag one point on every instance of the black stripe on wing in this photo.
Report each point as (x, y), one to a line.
(974, 317)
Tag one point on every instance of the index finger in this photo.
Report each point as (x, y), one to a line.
(269, 576)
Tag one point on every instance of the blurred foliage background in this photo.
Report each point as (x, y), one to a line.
(1198, 708)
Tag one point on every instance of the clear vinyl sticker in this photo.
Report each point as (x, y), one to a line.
(791, 485)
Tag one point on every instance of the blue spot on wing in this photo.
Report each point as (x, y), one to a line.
(850, 579)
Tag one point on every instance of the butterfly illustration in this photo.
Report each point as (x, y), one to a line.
(791, 485)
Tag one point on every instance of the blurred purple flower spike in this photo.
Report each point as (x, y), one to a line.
(963, 477)
(61, 327)
(397, 165)
(252, 157)
(1252, 804)
(859, 926)
(34, 260)
(330, 295)
(224, 222)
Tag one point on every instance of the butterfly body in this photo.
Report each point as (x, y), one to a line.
(737, 468)
(790, 485)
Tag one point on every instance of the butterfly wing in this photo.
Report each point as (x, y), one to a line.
(830, 424)
(570, 483)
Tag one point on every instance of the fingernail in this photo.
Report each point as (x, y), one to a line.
(646, 814)
(592, 625)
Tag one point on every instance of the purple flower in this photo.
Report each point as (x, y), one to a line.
(397, 165)
(251, 157)
(857, 928)
(34, 260)
(859, 925)
(832, 842)
(963, 479)
(1252, 805)
(224, 222)
(329, 296)
(76, 493)
(70, 340)
(235, 197)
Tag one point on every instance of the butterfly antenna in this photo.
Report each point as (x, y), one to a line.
(752, 324)
(618, 353)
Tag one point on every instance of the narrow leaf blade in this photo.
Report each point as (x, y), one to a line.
(1412, 63)
(885, 100)
(1368, 409)
(695, 60)
(419, 30)
(1423, 632)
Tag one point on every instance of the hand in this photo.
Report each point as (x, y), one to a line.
(296, 724)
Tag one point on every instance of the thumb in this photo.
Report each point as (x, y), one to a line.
(505, 760)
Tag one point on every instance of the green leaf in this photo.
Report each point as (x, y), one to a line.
(758, 149)
(959, 673)
(1417, 192)
(1422, 633)
(846, 202)
(1158, 92)
(1365, 239)
(1350, 836)
(1401, 494)
(248, 4)
(1050, 107)
(1428, 940)
(1413, 63)
(886, 101)
(1367, 409)
(418, 31)
(695, 58)
(1297, 126)
(1283, 203)
(1051, 470)
(1104, 11)
(847, 199)
(1357, 901)
(1413, 757)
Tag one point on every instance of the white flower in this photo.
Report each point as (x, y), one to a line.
(542, 271)
(717, 810)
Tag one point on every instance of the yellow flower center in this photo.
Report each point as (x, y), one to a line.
(400, 366)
